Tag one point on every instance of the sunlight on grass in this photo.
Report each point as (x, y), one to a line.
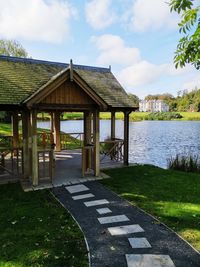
(171, 196)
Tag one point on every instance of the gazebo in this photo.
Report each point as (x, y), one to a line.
(29, 87)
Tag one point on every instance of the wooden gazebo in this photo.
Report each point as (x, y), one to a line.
(29, 86)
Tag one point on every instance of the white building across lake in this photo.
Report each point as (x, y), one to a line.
(153, 106)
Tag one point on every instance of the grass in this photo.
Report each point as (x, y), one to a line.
(171, 196)
(36, 231)
(187, 163)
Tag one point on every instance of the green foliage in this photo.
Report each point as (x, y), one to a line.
(184, 163)
(163, 116)
(188, 47)
(186, 101)
(12, 48)
(165, 96)
(134, 99)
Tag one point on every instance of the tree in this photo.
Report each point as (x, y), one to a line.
(188, 48)
(12, 48)
(134, 99)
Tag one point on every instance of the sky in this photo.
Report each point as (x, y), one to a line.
(137, 38)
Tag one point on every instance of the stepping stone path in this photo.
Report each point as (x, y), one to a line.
(136, 239)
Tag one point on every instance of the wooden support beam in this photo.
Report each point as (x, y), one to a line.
(96, 143)
(35, 178)
(113, 125)
(56, 131)
(15, 129)
(26, 151)
(126, 137)
(87, 156)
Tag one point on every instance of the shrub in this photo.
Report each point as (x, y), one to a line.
(188, 163)
(163, 116)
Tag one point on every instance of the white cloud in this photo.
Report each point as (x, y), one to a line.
(154, 14)
(141, 73)
(146, 73)
(191, 83)
(37, 20)
(114, 51)
(99, 13)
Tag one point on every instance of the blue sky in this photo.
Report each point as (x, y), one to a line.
(136, 37)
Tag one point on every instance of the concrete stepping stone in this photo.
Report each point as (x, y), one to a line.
(148, 260)
(125, 229)
(140, 242)
(113, 219)
(96, 202)
(78, 197)
(103, 211)
(76, 188)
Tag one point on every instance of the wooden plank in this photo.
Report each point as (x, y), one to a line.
(87, 140)
(15, 129)
(126, 137)
(35, 165)
(26, 150)
(96, 143)
(112, 125)
(57, 130)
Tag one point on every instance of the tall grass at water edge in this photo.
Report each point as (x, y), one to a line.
(187, 163)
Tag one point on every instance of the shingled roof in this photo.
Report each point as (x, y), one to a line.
(21, 78)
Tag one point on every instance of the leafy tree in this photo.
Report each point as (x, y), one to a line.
(134, 99)
(12, 48)
(188, 48)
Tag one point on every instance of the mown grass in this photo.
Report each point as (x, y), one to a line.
(35, 230)
(171, 196)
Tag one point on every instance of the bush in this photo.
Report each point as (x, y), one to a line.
(187, 163)
(163, 116)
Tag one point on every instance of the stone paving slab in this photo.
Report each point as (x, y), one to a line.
(76, 188)
(113, 219)
(103, 211)
(125, 229)
(96, 202)
(148, 260)
(78, 197)
(108, 250)
(139, 242)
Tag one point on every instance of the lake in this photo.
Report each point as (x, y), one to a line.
(152, 142)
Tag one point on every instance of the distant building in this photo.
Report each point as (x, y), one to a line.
(153, 106)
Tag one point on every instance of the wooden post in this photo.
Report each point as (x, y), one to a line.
(87, 139)
(35, 173)
(113, 125)
(96, 143)
(15, 129)
(126, 137)
(57, 130)
(26, 150)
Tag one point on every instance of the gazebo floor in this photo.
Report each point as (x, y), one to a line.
(68, 171)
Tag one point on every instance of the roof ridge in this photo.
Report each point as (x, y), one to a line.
(46, 62)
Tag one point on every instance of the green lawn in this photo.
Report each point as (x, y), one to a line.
(172, 196)
(36, 231)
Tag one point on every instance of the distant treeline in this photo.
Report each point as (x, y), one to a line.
(185, 101)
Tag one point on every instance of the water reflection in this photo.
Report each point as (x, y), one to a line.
(151, 142)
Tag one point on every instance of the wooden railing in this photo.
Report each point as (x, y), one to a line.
(71, 140)
(112, 149)
(6, 141)
(46, 164)
(11, 161)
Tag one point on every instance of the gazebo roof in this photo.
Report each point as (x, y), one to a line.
(22, 78)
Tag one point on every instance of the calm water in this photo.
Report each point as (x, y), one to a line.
(152, 142)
